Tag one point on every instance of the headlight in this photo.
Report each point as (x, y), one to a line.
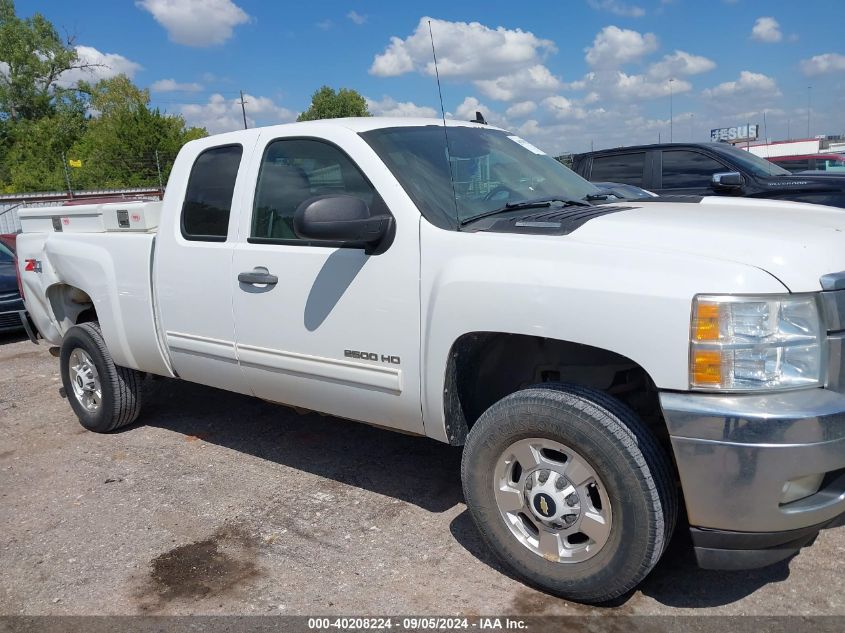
(753, 343)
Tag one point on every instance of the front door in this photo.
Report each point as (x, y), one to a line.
(688, 173)
(323, 326)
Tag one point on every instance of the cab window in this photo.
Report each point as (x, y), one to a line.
(624, 168)
(686, 170)
(294, 170)
(208, 198)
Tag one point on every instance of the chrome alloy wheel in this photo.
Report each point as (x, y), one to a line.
(85, 380)
(552, 500)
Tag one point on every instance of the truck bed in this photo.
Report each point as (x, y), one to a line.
(95, 258)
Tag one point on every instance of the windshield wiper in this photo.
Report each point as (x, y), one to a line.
(535, 203)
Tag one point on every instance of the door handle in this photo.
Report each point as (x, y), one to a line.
(258, 276)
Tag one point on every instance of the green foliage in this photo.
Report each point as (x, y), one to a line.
(107, 125)
(33, 57)
(33, 158)
(122, 144)
(328, 104)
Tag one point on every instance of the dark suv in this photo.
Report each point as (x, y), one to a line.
(12, 311)
(706, 169)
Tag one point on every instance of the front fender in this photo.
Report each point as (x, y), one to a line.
(627, 301)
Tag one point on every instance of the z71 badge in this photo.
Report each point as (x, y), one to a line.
(384, 358)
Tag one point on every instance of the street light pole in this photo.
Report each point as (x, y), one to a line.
(671, 111)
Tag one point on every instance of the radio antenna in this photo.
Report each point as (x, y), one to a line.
(445, 132)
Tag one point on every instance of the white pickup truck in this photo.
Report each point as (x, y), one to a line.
(595, 357)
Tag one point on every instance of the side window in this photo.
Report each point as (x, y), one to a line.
(295, 170)
(801, 164)
(625, 168)
(682, 169)
(6, 256)
(208, 199)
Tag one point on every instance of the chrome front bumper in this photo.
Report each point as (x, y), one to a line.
(735, 453)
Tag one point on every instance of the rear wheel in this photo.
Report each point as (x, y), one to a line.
(103, 396)
(570, 490)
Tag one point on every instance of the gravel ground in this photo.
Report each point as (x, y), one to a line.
(218, 503)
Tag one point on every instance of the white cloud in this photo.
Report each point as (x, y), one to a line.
(749, 84)
(470, 105)
(356, 17)
(521, 109)
(767, 30)
(196, 22)
(224, 115)
(390, 107)
(680, 64)
(562, 108)
(823, 64)
(641, 87)
(613, 47)
(528, 82)
(171, 85)
(325, 25)
(465, 50)
(617, 8)
(107, 65)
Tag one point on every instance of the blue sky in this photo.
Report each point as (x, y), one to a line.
(566, 74)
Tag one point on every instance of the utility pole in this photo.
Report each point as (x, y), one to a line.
(809, 109)
(243, 109)
(158, 169)
(67, 175)
(671, 111)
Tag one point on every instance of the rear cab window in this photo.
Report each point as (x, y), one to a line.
(208, 198)
(624, 168)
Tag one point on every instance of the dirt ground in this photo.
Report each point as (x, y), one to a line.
(219, 503)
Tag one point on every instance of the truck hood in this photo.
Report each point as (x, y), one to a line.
(795, 242)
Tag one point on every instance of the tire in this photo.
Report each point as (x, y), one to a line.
(632, 492)
(117, 402)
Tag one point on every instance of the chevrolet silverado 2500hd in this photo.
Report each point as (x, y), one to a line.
(593, 360)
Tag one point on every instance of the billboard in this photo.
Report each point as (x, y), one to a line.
(735, 134)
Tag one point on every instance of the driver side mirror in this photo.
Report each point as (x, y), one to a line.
(727, 181)
(342, 218)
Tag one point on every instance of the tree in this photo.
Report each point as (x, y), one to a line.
(126, 141)
(328, 104)
(32, 157)
(32, 60)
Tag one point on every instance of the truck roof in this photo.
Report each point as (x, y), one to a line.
(359, 124)
(638, 148)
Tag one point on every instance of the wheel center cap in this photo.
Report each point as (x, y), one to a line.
(544, 505)
(552, 498)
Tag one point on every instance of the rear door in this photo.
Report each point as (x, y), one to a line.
(628, 168)
(334, 330)
(193, 267)
(688, 172)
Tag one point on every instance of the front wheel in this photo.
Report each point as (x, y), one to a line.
(570, 490)
(103, 395)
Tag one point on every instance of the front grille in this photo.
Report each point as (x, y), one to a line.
(833, 314)
(9, 320)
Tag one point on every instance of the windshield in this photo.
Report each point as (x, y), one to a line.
(490, 169)
(753, 163)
